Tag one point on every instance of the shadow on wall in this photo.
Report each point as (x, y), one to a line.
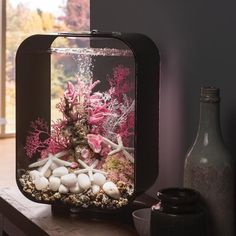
(197, 45)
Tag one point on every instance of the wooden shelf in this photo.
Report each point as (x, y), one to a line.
(22, 217)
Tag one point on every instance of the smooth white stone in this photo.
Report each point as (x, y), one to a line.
(95, 189)
(111, 190)
(60, 171)
(84, 181)
(53, 166)
(34, 174)
(75, 189)
(63, 189)
(69, 180)
(99, 179)
(41, 183)
(54, 183)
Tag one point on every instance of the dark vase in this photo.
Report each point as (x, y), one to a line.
(179, 212)
(209, 167)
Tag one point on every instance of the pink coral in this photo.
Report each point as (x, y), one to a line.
(96, 99)
(76, 99)
(98, 115)
(40, 141)
(59, 142)
(84, 90)
(95, 142)
(70, 93)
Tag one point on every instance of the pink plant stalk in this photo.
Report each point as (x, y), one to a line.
(70, 93)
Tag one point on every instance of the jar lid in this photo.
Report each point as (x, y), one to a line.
(178, 200)
(178, 196)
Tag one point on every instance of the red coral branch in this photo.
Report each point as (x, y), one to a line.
(59, 142)
(38, 139)
(120, 83)
(126, 129)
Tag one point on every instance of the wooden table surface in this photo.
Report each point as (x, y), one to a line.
(36, 219)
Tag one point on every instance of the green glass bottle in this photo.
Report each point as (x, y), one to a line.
(210, 168)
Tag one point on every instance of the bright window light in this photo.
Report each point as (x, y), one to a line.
(22, 18)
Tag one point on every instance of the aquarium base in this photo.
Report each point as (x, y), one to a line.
(123, 215)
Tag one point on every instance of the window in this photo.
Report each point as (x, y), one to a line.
(21, 18)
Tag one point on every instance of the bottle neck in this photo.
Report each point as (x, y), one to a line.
(209, 129)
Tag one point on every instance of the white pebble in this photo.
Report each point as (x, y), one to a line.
(34, 174)
(95, 189)
(60, 171)
(99, 179)
(41, 183)
(84, 181)
(69, 180)
(75, 189)
(54, 183)
(111, 190)
(63, 189)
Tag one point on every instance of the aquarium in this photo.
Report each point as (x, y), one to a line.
(87, 118)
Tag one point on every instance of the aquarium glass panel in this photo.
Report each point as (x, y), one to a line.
(84, 156)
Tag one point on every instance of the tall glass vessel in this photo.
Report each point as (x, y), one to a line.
(209, 167)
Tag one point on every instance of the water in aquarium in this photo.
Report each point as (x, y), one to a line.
(85, 156)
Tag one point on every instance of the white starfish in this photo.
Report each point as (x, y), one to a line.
(89, 169)
(47, 162)
(119, 147)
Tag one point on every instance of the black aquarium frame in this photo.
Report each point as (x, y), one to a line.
(33, 74)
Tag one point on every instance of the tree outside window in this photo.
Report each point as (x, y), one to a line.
(27, 17)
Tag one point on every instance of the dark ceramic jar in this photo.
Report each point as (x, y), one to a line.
(178, 213)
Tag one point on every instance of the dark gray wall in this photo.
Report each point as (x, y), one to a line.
(197, 43)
